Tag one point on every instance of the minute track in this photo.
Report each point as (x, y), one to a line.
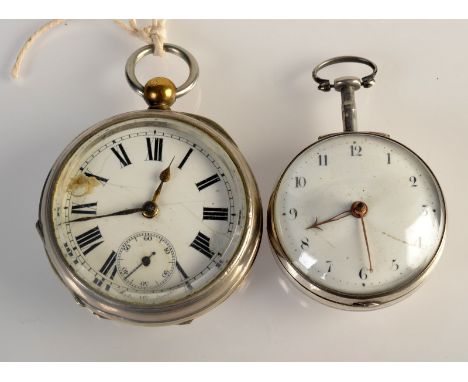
(218, 182)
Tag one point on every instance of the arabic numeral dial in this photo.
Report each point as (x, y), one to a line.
(357, 215)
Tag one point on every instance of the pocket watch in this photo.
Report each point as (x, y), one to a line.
(357, 220)
(152, 216)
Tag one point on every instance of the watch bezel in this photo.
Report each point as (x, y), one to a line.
(334, 298)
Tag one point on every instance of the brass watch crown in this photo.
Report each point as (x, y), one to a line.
(159, 93)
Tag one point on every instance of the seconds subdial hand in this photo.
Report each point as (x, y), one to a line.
(145, 260)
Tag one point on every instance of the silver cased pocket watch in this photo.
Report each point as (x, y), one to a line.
(357, 220)
(153, 216)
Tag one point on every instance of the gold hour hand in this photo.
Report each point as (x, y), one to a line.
(358, 210)
(318, 223)
(164, 177)
(150, 208)
(367, 243)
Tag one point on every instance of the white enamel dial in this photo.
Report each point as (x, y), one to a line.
(123, 255)
(385, 240)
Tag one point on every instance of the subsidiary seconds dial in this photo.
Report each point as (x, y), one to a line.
(146, 260)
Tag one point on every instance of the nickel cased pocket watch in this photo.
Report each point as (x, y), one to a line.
(357, 220)
(152, 216)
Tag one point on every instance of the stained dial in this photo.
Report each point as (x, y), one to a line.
(359, 214)
(132, 256)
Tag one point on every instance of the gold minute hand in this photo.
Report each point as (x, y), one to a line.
(358, 209)
(367, 243)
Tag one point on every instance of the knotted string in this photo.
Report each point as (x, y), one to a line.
(154, 34)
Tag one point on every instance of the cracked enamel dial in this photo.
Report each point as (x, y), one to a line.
(358, 215)
(98, 206)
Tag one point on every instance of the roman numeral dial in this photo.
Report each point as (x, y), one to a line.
(146, 260)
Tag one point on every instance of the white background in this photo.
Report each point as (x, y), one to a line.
(256, 82)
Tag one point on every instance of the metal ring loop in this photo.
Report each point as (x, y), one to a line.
(325, 85)
(169, 48)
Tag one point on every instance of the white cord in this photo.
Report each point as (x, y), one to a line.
(19, 58)
(152, 34)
